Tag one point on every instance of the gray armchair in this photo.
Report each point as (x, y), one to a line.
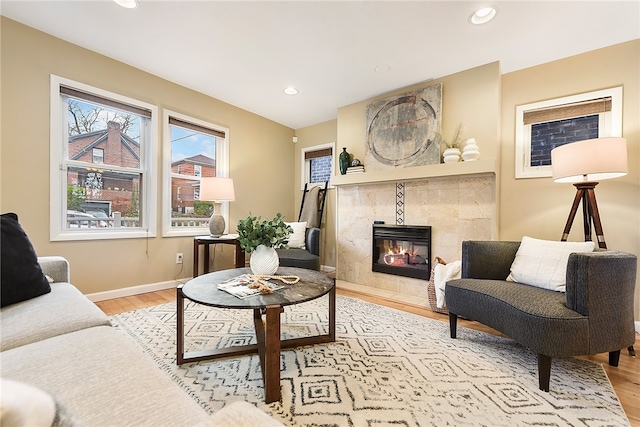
(311, 209)
(308, 258)
(595, 315)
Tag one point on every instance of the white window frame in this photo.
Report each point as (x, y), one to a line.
(222, 170)
(58, 152)
(610, 125)
(93, 156)
(305, 165)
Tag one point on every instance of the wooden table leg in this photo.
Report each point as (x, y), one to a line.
(195, 258)
(258, 324)
(268, 337)
(179, 326)
(332, 314)
(205, 265)
(272, 356)
(239, 254)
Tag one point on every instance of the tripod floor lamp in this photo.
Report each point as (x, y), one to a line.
(584, 164)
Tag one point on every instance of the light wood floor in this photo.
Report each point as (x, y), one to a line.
(625, 378)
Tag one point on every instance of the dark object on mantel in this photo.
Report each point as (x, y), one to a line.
(344, 160)
(378, 222)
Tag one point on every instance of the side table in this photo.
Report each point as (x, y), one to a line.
(207, 241)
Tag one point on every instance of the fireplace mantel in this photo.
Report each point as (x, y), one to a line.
(481, 166)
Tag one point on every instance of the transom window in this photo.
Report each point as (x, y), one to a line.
(102, 176)
(194, 149)
(317, 164)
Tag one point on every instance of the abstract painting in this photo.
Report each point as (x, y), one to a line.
(401, 130)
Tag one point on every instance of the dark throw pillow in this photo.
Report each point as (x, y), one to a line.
(22, 277)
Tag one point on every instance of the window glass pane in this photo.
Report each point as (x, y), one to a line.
(549, 135)
(192, 153)
(98, 193)
(193, 156)
(98, 155)
(93, 126)
(187, 210)
(320, 169)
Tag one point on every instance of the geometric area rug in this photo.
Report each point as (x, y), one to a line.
(386, 368)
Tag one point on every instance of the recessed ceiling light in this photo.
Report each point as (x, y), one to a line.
(129, 4)
(383, 68)
(290, 90)
(482, 16)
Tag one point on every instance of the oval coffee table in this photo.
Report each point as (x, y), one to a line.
(204, 290)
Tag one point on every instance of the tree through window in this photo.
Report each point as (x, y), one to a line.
(103, 148)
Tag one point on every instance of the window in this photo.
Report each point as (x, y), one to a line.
(102, 150)
(317, 164)
(193, 149)
(98, 155)
(543, 126)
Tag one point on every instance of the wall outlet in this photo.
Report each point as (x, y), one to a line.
(179, 258)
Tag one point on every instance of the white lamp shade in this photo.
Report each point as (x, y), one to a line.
(216, 189)
(590, 160)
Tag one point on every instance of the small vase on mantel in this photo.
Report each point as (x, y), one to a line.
(451, 155)
(471, 151)
(344, 160)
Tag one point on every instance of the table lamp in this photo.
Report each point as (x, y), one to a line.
(584, 163)
(217, 190)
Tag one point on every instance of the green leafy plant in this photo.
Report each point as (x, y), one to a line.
(75, 197)
(254, 231)
(203, 209)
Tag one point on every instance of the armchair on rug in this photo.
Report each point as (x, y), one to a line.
(304, 242)
(557, 301)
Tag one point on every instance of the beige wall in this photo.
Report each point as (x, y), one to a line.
(538, 207)
(261, 157)
(322, 133)
(471, 97)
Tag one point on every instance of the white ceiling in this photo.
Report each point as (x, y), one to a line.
(246, 53)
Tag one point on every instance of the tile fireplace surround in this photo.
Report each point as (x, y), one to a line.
(460, 207)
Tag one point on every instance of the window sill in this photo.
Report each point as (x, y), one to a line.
(67, 236)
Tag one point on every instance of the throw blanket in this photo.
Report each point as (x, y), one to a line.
(441, 275)
(310, 208)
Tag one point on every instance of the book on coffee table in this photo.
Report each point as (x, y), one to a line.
(239, 286)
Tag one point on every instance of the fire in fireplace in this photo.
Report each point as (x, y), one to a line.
(403, 250)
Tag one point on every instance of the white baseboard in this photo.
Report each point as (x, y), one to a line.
(638, 326)
(135, 290)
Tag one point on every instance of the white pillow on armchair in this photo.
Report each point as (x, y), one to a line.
(298, 237)
(543, 263)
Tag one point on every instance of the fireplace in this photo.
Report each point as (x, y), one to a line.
(403, 250)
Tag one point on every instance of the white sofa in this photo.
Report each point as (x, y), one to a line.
(63, 344)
